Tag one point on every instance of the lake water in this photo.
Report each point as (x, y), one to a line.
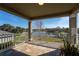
(43, 34)
(39, 33)
(48, 34)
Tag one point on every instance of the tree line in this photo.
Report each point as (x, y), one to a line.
(10, 28)
(57, 30)
(13, 29)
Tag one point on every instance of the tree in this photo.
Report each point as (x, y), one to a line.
(10, 28)
(20, 30)
(7, 27)
(39, 25)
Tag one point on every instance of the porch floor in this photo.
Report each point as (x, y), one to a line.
(27, 49)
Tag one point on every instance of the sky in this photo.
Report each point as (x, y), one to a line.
(7, 18)
(55, 22)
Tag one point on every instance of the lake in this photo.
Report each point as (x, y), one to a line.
(48, 34)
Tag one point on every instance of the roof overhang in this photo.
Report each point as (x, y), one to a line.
(33, 11)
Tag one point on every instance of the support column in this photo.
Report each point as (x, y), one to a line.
(30, 30)
(73, 29)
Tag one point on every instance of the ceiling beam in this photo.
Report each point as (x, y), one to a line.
(52, 15)
(13, 11)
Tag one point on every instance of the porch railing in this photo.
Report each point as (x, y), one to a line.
(6, 41)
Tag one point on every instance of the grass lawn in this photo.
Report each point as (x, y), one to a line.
(54, 40)
(48, 39)
(19, 38)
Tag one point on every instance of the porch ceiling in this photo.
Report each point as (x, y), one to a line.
(34, 11)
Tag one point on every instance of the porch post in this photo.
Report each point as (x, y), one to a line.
(73, 29)
(30, 30)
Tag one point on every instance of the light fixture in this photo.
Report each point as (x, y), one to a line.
(41, 2)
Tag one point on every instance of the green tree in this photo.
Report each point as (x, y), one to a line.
(10, 28)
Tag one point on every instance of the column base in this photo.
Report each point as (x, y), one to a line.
(30, 39)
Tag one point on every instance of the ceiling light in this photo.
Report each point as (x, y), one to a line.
(41, 3)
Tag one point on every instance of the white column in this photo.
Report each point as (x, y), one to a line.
(73, 29)
(30, 30)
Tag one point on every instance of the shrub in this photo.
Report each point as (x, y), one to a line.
(69, 50)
